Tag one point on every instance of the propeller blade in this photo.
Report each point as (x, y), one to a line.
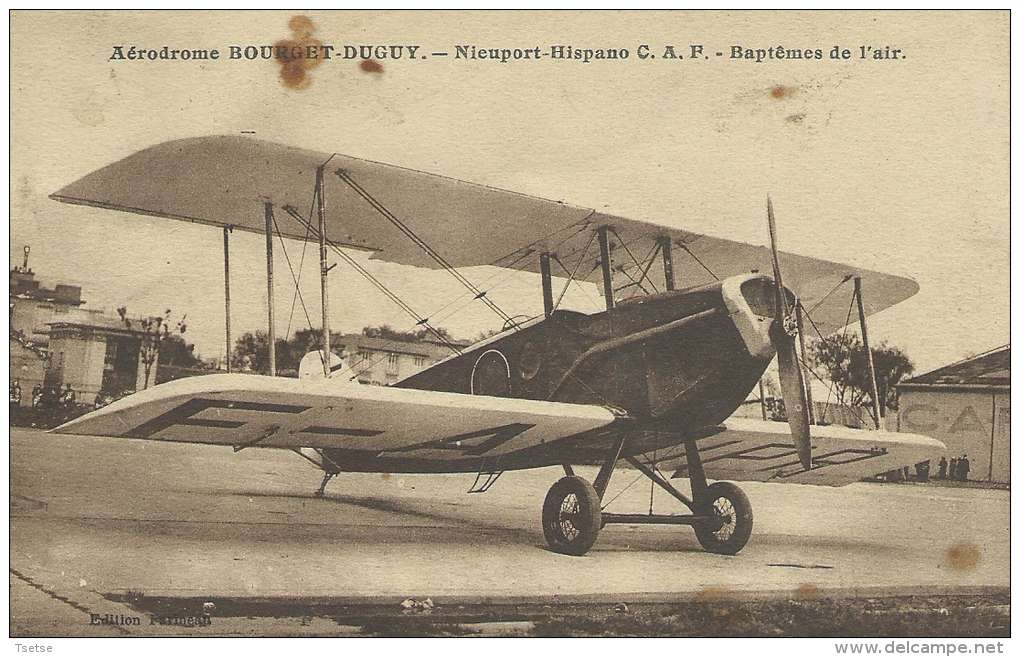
(791, 380)
(791, 377)
(777, 275)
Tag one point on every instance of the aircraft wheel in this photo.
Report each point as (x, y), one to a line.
(727, 502)
(571, 516)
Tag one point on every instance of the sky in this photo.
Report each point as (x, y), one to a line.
(899, 166)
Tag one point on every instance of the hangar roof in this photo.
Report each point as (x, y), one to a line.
(984, 370)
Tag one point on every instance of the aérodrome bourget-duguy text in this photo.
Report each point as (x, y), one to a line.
(503, 55)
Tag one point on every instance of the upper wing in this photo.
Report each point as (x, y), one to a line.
(245, 410)
(758, 450)
(226, 180)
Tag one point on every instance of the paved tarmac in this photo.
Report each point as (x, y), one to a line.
(94, 517)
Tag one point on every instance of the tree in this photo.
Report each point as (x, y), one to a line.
(155, 329)
(309, 339)
(251, 351)
(420, 335)
(485, 335)
(845, 362)
(251, 354)
(175, 351)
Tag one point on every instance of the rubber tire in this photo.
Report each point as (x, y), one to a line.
(589, 516)
(744, 519)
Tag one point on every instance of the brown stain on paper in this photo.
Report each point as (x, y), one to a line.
(807, 592)
(963, 557)
(781, 91)
(294, 70)
(370, 66)
(713, 594)
(718, 601)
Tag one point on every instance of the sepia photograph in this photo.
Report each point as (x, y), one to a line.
(510, 323)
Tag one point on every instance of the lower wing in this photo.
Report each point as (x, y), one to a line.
(247, 411)
(758, 450)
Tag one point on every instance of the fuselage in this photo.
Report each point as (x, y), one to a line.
(676, 360)
(671, 365)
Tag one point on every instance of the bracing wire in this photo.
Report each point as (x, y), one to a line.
(845, 344)
(829, 293)
(697, 259)
(296, 277)
(633, 283)
(530, 248)
(419, 320)
(490, 284)
(301, 266)
(636, 262)
(623, 490)
(432, 253)
(573, 273)
(583, 279)
(829, 387)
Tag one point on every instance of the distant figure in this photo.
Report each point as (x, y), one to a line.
(66, 396)
(964, 468)
(953, 467)
(942, 467)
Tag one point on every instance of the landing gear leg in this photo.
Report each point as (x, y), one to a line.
(724, 502)
(572, 513)
(325, 480)
(695, 469)
(320, 459)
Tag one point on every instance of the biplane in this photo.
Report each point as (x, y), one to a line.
(652, 380)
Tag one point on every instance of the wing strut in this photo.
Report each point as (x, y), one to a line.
(269, 288)
(320, 198)
(226, 293)
(666, 246)
(547, 299)
(867, 350)
(606, 260)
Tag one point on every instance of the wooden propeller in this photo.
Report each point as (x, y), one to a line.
(791, 378)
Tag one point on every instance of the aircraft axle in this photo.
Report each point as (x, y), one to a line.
(710, 523)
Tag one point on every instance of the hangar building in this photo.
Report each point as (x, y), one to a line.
(966, 406)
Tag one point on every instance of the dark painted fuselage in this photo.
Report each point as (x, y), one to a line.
(689, 376)
(672, 365)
